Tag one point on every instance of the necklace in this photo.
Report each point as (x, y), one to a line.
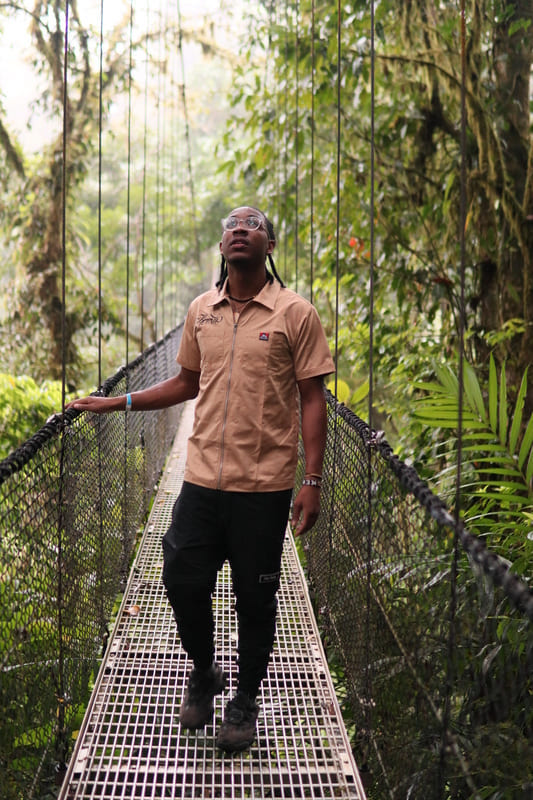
(245, 299)
(237, 300)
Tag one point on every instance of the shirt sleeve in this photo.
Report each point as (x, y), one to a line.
(311, 354)
(188, 351)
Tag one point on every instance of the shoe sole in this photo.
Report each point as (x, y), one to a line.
(199, 725)
(237, 746)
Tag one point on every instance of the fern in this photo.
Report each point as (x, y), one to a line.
(497, 452)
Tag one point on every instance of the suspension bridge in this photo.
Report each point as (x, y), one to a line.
(379, 568)
(426, 631)
(130, 744)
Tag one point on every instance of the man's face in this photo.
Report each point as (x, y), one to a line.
(241, 242)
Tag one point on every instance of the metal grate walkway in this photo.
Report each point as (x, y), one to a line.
(130, 744)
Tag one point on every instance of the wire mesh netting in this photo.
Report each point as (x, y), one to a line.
(433, 631)
(72, 501)
(131, 743)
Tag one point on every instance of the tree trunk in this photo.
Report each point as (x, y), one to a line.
(506, 277)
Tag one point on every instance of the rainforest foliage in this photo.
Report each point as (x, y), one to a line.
(130, 235)
(380, 166)
(396, 162)
(352, 138)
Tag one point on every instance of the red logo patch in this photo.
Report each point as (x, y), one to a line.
(263, 337)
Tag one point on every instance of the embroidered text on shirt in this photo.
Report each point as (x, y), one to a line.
(209, 319)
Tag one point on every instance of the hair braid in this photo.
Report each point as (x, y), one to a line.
(223, 273)
(274, 270)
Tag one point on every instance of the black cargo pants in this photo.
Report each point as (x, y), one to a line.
(209, 527)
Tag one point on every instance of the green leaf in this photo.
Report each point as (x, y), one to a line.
(527, 443)
(448, 380)
(509, 498)
(529, 470)
(514, 473)
(517, 25)
(429, 387)
(361, 393)
(473, 391)
(493, 395)
(438, 418)
(487, 448)
(380, 31)
(517, 416)
(343, 390)
(503, 408)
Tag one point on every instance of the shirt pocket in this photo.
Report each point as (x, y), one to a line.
(279, 352)
(210, 338)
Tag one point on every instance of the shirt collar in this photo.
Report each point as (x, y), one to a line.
(266, 297)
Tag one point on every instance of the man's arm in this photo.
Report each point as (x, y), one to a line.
(314, 432)
(183, 386)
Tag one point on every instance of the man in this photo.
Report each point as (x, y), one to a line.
(254, 355)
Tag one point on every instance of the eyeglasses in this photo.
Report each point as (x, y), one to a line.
(252, 223)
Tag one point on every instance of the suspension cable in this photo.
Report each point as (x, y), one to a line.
(165, 245)
(145, 162)
(188, 138)
(450, 671)
(60, 680)
(100, 126)
(163, 171)
(462, 240)
(369, 552)
(126, 487)
(296, 138)
(337, 283)
(158, 180)
(174, 170)
(64, 213)
(128, 190)
(338, 187)
(100, 561)
(312, 185)
(286, 144)
(274, 24)
(372, 216)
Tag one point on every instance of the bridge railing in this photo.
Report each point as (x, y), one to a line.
(72, 502)
(433, 632)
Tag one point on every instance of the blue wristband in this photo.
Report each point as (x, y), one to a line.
(128, 402)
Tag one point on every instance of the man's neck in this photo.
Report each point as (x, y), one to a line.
(245, 284)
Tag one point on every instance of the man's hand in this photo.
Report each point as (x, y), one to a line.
(183, 386)
(98, 405)
(305, 509)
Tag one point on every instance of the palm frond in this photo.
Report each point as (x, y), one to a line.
(496, 444)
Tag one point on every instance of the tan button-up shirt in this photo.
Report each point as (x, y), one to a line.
(245, 433)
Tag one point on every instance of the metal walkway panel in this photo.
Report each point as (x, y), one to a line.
(130, 744)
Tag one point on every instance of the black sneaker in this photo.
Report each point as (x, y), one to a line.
(237, 732)
(197, 706)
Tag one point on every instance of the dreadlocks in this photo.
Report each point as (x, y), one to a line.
(270, 276)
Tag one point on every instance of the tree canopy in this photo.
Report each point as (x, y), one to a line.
(318, 139)
(115, 117)
(289, 152)
(325, 141)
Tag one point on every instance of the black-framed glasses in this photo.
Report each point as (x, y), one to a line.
(251, 223)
